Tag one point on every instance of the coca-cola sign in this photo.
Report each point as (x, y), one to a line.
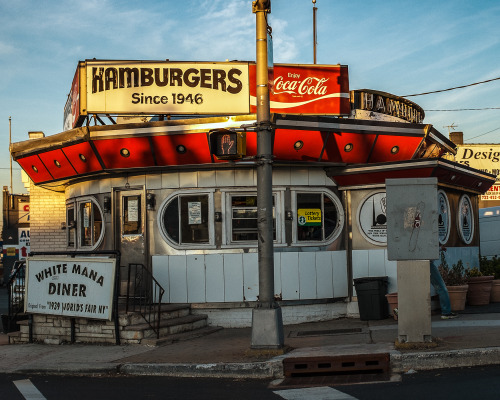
(306, 89)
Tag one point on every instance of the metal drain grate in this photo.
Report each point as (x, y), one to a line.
(327, 332)
(310, 371)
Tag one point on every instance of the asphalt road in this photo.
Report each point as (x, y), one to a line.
(465, 383)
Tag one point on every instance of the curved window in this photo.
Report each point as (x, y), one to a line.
(184, 219)
(319, 217)
(84, 223)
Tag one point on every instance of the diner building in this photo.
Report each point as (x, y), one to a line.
(176, 193)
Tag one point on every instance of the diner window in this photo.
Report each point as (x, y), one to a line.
(132, 223)
(71, 225)
(90, 223)
(319, 217)
(84, 224)
(243, 217)
(185, 219)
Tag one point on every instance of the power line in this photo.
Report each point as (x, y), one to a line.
(469, 109)
(482, 134)
(453, 88)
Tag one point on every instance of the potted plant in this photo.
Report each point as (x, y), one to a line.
(479, 287)
(455, 281)
(492, 267)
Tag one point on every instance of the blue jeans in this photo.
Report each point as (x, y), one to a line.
(440, 288)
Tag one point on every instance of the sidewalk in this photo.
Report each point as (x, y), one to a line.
(471, 340)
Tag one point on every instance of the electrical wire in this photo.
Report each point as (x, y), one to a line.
(469, 109)
(482, 134)
(453, 88)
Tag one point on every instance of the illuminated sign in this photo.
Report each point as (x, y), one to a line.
(166, 88)
(309, 217)
(210, 88)
(228, 145)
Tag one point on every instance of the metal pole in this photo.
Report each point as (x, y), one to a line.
(267, 324)
(10, 156)
(315, 37)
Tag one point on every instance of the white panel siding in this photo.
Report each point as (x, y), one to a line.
(224, 178)
(359, 263)
(188, 179)
(233, 277)
(324, 275)
(250, 276)
(206, 179)
(195, 265)
(215, 277)
(177, 279)
(307, 275)
(290, 276)
(244, 177)
(340, 281)
(376, 262)
(170, 180)
(160, 272)
(277, 274)
(299, 177)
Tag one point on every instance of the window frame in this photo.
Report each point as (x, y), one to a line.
(211, 226)
(340, 216)
(227, 232)
(75, 205)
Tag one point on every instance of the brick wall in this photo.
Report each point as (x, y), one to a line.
(47, 213)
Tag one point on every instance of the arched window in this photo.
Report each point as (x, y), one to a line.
(84, 222)
(184, 219)
(319, 216)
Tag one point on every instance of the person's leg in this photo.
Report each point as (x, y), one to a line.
(440, 287)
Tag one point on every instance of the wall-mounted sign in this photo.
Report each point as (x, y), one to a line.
(388, 104)
(194, 212)
(485, 158)
(444, 217)
(24, 243)
(465, 219)
(372, 218)
(306, 89)
(163, 87)
(23, 209)
(157, 87)
(72, 287)
(309, 216)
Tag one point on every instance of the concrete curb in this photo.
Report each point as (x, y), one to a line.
(260, 370)
(403, 362)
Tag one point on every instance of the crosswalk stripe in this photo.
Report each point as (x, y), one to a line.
(314, 393)
(28, 390)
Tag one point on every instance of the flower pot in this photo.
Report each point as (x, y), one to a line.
(458, 295)
(479, 290)
(392, 299)
(495, 291)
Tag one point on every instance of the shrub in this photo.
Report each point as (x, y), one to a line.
(490, 267)
(454, 276)
(473, 272)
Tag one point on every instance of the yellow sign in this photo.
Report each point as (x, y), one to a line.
(309, 216)
(11, 251)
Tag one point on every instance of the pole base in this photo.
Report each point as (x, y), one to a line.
(267, 329)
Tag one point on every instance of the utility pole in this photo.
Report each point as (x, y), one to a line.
(10, 156)
(267, 323)
(315, 36)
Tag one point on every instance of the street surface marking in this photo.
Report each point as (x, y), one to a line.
(28, 390)
(315, 393)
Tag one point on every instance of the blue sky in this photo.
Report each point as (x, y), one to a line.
(401, 47)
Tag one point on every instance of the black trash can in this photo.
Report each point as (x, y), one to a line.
(371, 293)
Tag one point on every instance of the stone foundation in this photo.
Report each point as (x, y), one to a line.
(51, 329)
